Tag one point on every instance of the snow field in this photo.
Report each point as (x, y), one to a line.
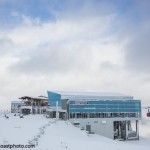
(49, 134)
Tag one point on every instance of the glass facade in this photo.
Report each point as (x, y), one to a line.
(104, 109)
(53, 98)
(95, 105)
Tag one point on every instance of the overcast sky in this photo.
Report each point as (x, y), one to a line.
(74, 45)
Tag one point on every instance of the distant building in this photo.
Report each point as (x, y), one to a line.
(107, 114)
(16, 106)
(34, 105)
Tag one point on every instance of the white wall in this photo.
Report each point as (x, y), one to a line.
(102, 126)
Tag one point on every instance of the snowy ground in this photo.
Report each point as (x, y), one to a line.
(17, 130)
(62, 135)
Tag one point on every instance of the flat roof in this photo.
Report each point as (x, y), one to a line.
(89, 93)
(92, 95)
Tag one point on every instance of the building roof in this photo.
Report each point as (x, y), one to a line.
(17, 102)
(93, 95)
(89, 93)
(34, 97)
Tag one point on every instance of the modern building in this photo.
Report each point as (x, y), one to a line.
(109, 114)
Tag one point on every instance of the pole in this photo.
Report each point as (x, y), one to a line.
(126, 123)
(57, 112)
(137, 129)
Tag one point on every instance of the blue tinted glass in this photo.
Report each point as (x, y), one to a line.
(107, 106)
(53, 98)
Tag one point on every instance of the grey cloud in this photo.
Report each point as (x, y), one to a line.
(138, 51)
(5, 45)
(49, 60)
(136, 30)
(106, 65)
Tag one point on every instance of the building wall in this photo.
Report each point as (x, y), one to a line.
(101, 126)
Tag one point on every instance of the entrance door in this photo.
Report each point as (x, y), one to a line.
(120, 130)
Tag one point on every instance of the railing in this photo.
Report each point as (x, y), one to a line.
(34, 107)
(26, 107)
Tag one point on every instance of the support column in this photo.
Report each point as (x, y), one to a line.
(31, 107)
(20, 111)
(119, 131)
(137, 129)
(57, 111)
(75, 115)
(126, 123)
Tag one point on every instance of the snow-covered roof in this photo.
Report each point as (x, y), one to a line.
(93, 95)
(90, 93)
(16, 102)
(34, 97)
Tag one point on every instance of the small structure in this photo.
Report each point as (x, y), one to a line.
(107, 114)
(34, 105)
